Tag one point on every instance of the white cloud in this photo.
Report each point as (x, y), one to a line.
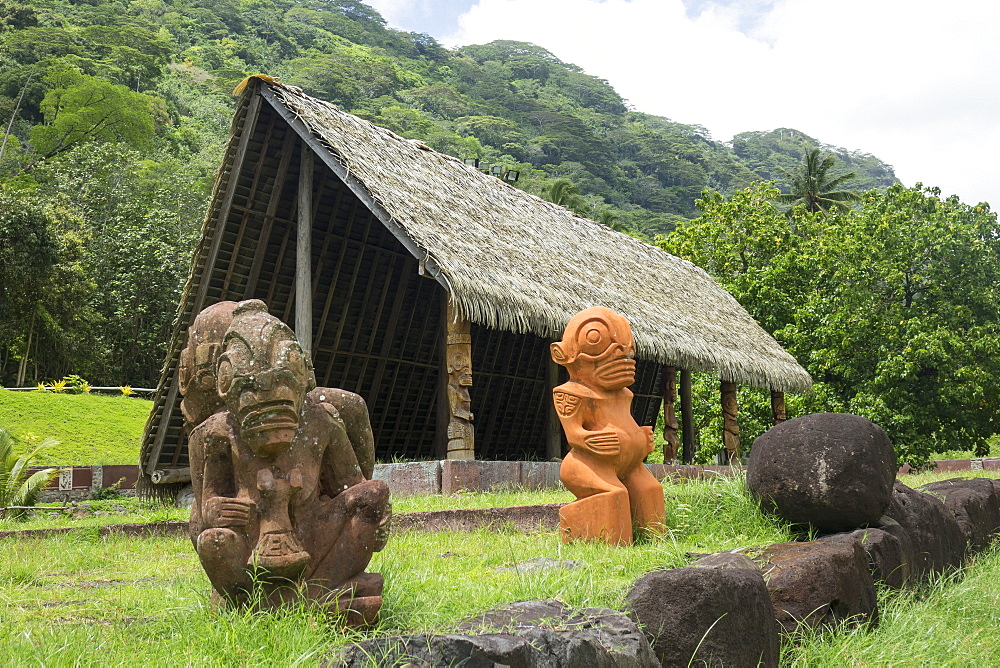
(911, 81)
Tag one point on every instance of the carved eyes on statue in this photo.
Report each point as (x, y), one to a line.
(232, 363)
(225, 375)
(293, 359)
(594, 338)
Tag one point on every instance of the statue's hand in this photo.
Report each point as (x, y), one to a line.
(604, 443)
(224, 511)
(650, 441)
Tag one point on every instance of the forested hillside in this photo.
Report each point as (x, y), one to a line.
(114, 114)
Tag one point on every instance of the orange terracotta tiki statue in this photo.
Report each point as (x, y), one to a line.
(604, 467)
(281, 477)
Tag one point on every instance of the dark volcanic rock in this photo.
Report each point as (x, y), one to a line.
(706, 616)
(890, 557)
(529, 634)
(819, 583)
(936, 538)
(723, 560)
(832, 470)
(973, 502)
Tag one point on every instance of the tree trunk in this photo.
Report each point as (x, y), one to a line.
(23, 367)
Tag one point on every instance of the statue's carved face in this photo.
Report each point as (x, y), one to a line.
(460, 367)
(597, 349)
(263, 376)
(199, 359)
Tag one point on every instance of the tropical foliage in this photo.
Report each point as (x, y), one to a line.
(114, 115)
(18, 485)
(815, 188)
(893, 307)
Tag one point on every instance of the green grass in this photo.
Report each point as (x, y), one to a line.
(91, 428)
(123, 510)
(951, 622)
(81, 599)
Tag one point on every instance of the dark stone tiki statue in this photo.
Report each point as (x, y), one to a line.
(280, 469)
(604, 467)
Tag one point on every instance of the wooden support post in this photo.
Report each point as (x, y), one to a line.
(303, 251)
(553, 428)
(458, 358)
(730, 426)
(778, 407)
(687, 418)
(669, 414)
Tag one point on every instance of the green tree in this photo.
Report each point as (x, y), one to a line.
(814, 187)
(566, 194)
(28, 252)
(892, 308)
(80, 108)
(18, 485)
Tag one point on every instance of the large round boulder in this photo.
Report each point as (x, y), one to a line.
(832, 470)
(710, 615)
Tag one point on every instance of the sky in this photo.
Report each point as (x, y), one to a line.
(914, 82)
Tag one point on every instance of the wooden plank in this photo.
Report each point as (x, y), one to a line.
(332, 288)
(390, 329)
(350, 180)
(335, 345)
(374, 268)
(248, 212)
(279, 262)
(170, 403)
(248, 129)
(269, 214)
(303, 251)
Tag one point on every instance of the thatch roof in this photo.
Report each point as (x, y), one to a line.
(515, 262)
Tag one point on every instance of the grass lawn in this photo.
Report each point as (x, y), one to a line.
(80, 599)
(91, 428)
(83, 599)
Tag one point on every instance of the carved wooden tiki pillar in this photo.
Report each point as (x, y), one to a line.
(731, 429)
(669, 414)
(458, 357)
(687, 417)
(778, 407)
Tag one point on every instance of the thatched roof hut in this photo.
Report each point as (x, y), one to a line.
(396, 230)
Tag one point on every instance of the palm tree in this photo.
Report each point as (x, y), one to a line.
(812, 187)
(608, 218)
(19, 487)
(566, 194)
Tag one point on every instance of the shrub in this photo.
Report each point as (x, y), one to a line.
(17, 487)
